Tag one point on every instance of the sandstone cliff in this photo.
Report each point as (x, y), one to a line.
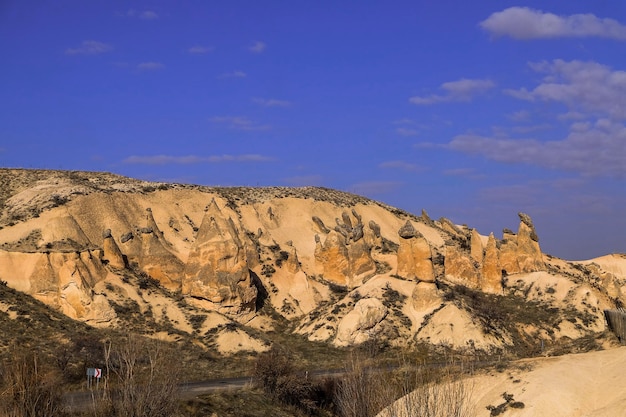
(343, 267)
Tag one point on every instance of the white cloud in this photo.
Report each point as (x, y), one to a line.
(594, 150)
(239, 123)
(402, 165)
(150, 66)
(148, 15)
(233, 74)
(582, 86)
(469, 173)
(405, 131)
(144, 15)
(271, 102)
(461, 90)
(89, 48)
(527, 23)
(193, 159)
(199, 49)
(404, 122)
(257, 47)
(519, 116)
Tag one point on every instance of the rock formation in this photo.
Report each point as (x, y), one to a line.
(529, 257)
(216, 268)
(345, 256)
(111, 252)
(63, 280)
(491, 281)
(156, 258)
(332, 258)
(414, 255)
(425, 296)
(521, 253)
(357, 326)
(460, 268)
(476, 247)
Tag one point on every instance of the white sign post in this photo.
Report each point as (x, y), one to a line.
(93, 373)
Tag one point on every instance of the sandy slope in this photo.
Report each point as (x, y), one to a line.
(589, 384)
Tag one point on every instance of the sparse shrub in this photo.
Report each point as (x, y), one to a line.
(337, 289)
(197, 320)
(141, 380)
(27, 389)
(275, 373)
(267, 270)
(508, 402)
(282, 256)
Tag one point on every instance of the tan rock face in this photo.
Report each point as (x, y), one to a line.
(460, 268)
(216, 268)
(529, 257)
(159, 262)
(61, 280)
(357, 325)
(508, 254)
(345, 255)
(491, 281)
(476, 247)
(112, 254)
(333, 258)
(414, 255)
(425, 296)
(521, 253)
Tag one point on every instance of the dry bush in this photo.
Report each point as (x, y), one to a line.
(140, 380)
(424, 392)
(27, 389)
(275, 374)
(363, 392)
(448, 397)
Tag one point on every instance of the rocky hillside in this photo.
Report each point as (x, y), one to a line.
(227, 265)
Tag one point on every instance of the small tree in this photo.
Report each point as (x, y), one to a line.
(140, 380)
(29, 390)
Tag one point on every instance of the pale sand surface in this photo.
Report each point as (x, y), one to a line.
(576, 385)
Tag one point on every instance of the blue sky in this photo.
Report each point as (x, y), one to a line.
(471, 110)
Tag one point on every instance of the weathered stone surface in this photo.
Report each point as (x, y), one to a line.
(126, 237)
(529, 257)
(372, 235)
(425, 296)
(158, 261)
(344, 257)
(525, 219)
(521, 253)
(414, 255)
(292, 264)
(451, 228)
(375, 228)
(332, 257)
(154, 255)
(357, 326)
(361, 261)
(491, 281)
(217, 268)
(320, 224)
(508, 254)
(111, 252)
(476, 246)
(64, 281)
(460, 268)
(407, 231)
